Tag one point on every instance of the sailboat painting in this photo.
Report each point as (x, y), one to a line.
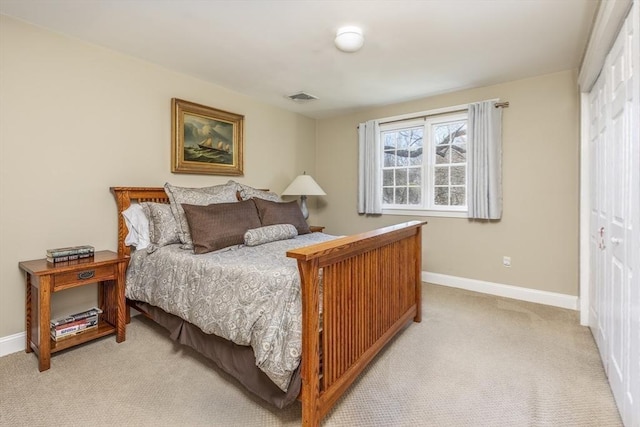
(205, 140)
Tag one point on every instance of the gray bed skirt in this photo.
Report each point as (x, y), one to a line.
(236, 360)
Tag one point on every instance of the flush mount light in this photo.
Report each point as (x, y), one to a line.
(349, 39)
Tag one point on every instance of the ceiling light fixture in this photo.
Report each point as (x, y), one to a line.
(349, 39)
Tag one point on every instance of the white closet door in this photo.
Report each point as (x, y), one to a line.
(599, 299)
(632, 386)
(618, 146)
(614, 224)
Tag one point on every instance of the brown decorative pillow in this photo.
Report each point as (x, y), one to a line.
(272, 213)
(224, 193)
(220, 225)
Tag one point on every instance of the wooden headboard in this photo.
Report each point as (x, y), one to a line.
(124, 197)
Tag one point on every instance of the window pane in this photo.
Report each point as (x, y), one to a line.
(416, 157)
(389, 140)
(389, 159)
(415, 195)
(403, 139)
(459, 133)
(443, 154)
(458, 196)
(401, 196)
(401, 177)
(442, 175)
(415, 141)
(387, 195)
(441, 196)
(415, 150)
(458, 175)
(416, 135)
(402, 159)
(459, 153)
(415, 176)
(387, 177)
(441, 134)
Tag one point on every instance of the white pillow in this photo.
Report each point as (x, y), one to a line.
(138, 225)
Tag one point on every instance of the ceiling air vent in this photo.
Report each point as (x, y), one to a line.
(302, 97)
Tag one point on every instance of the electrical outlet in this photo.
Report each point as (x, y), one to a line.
(506, 261)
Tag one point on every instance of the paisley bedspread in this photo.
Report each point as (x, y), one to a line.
(248, 295)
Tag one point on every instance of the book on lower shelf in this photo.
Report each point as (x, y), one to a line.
(71, 329)
(93, 311)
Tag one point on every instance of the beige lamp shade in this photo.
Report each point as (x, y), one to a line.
(304, 186)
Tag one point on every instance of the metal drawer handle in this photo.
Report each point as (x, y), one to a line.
(84, 275)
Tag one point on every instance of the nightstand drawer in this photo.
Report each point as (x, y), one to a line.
(88, 275)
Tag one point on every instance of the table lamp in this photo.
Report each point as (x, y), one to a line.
(304, 186)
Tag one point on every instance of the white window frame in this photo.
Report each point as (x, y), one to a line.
(427, 119)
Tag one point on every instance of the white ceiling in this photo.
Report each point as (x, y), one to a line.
(268, 49)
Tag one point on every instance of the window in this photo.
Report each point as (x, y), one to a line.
(424, 165)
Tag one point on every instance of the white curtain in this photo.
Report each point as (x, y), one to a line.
(485, 160)
(369, 168)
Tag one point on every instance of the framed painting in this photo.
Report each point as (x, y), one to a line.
(205, 140)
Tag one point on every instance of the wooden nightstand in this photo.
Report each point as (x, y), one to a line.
(316, 228)
(105, 268)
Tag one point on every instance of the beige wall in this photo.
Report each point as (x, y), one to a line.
(76, 119)
(539, 228)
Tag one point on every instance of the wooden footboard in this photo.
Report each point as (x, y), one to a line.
(371, 289)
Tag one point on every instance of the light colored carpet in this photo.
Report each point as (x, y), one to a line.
(475, 360)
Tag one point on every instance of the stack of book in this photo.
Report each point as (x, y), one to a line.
(75, 324)
(69, 254)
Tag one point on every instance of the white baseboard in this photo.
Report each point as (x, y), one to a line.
(507, 291)
(16, 342)
(12, 343)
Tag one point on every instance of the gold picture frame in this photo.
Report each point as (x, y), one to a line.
(205, 140)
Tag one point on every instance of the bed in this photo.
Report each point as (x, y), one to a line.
(357, 292)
